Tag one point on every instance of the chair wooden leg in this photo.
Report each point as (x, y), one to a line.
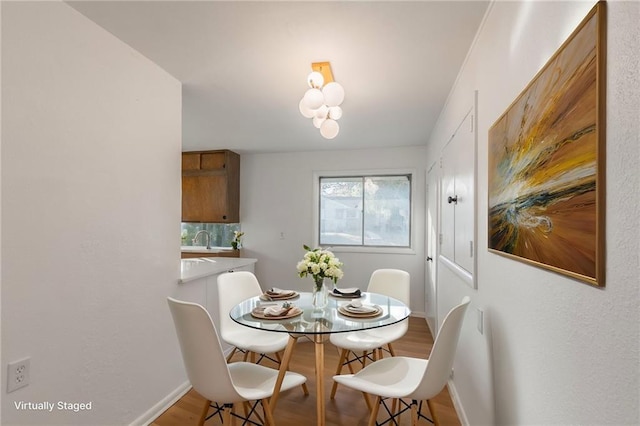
(246, 356)
(374, 412)
(231, 354)
(255, 413)
(433, 413)
(246, 407)
(305, 389)
(343, 357)
(364, 359)
(226, 414)
(268, 416)
(253, 357)
(366, 400)
(278, 357)
(414, 413)
(349, 363)
(391, 351)
(233, 418)
(205, 411)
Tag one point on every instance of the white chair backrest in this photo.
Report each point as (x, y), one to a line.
(443, 352)
(391, 282)
(202, 354)
(233, 288)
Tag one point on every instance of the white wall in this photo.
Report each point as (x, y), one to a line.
(562, 352)
(277, 196)
(90, 218)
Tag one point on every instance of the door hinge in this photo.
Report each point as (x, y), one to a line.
(470, 248)
(440, 238)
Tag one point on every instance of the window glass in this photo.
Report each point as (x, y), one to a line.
(221, 233)
(372, 211)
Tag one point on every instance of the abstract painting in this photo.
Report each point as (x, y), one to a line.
(546, 162)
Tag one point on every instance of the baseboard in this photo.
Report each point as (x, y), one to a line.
(457, 405)
(162, 406)
(418, 314)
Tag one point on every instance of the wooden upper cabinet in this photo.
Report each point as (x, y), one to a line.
(211, 186)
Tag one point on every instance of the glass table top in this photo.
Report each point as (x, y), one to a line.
(325, 321)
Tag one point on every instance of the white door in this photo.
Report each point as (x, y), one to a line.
(431, 250)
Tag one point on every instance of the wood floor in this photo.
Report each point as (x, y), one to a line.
(347, 409)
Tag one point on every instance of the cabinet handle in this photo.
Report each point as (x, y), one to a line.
(453, 199)
(429, 258)
(224, 217)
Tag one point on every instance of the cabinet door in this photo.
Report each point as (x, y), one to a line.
(204, 199)
(190, 161)
(213, 160)
(458, 198)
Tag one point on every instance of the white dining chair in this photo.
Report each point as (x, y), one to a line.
(411, 378)
(233, 288)
(216, 380)
(359, 345)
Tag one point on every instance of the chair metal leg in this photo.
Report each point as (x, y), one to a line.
(433, 412)
(205, 410)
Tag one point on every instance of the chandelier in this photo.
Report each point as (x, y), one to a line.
(321, 102)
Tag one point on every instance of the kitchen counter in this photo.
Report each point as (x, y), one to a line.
(194, 268)
(203, 249)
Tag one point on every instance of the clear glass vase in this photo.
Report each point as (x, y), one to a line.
(320, 294)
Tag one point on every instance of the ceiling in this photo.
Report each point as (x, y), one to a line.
(244, 65)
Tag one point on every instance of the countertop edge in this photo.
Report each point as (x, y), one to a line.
(222, 264)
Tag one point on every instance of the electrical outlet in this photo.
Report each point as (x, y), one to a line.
(18, 374)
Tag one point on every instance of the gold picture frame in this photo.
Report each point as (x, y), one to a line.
(546, 188)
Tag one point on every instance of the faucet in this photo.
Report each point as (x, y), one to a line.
(195, 239)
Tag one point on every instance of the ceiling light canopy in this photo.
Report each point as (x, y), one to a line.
(321, 102)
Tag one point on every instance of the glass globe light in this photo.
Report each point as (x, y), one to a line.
(329, 129)
(322, 111)
(306, 111)
(333, 94)
(335, 112)
(315, 80)
(313, 98)
(317, 121)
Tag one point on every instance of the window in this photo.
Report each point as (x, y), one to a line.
(221, 233)
(365, 211)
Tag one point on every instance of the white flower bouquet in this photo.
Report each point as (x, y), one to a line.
(320, 264)
(236, 243)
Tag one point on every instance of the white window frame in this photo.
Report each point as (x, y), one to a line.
(358, 173)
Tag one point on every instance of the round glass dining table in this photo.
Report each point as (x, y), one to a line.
(317, 325)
